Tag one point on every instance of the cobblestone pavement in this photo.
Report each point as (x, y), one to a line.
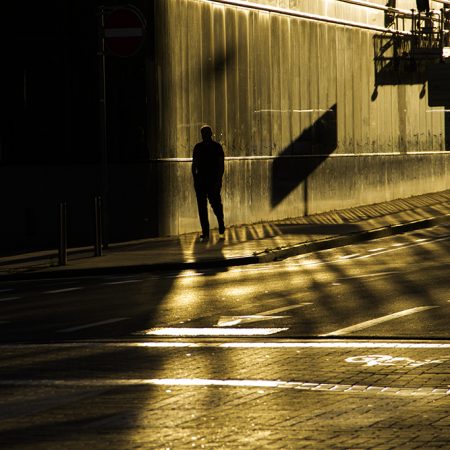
(234, 394)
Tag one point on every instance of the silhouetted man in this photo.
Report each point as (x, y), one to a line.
(207, 170)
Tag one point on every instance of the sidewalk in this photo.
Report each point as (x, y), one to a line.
(245, 244)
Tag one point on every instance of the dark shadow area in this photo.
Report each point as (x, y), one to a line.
(417, 39)
(303, 156)
(395, 63)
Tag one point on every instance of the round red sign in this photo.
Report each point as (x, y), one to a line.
(124, 29)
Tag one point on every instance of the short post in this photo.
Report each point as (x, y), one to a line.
(98, 226)
(62, 250)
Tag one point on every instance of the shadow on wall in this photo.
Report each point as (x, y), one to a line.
(303, 156)
(394, 62)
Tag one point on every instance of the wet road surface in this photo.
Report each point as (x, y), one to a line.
(347, 348)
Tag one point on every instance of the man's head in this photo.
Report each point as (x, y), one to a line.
(206, 132)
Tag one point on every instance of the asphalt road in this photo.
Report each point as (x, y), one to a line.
(392, 287)
(343, 349)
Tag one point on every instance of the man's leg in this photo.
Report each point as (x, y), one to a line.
(202, 205)
(216, 204)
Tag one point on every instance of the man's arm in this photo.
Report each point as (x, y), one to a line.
(194, 162)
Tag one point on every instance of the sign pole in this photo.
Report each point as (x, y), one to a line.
(103, 122)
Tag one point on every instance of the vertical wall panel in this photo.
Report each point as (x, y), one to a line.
(306, 74)
(182, 53)
(315, 75)
(195, 118)
(207, 68)
(232, 78)
(295, 68)
(286, 81)
(243, 140)
(262, 81)
(366, 91)
(220, 73)
(357, 91)
(341, 93)
(275, 83)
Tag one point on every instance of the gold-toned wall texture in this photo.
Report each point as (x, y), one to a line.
(306, 122)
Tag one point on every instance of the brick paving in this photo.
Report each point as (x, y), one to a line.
(212, 395)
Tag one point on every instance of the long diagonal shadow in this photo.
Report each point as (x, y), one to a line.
(303, 156)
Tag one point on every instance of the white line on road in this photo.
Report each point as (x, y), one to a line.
(404, 246)
(340, 260)
(198, 332)
(123, 282)
(276, 344)
(268, 384)
(369, 275)
(373, 322)
(377, 249)
(354, 255)
(57, 291)
(91, 325)
(7, 299)
(229, 321)
(284, 308)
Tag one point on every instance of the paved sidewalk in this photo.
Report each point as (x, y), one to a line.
(245, 244)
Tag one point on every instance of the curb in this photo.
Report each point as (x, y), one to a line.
(270, 255)
(352, 238)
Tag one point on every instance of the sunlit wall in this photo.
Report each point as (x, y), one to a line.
(306, 123)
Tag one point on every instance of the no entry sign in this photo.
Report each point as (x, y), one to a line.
(124, 31)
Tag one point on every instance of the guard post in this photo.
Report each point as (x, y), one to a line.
(62, 248)
(98, 226)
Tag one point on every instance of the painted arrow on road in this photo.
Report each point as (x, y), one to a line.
(229, 321)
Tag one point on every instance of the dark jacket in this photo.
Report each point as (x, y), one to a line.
(208, 162)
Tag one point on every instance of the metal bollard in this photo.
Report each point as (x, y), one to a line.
(62, 250)
(98, 227)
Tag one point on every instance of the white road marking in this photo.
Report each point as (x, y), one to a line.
(404, 246)
(322, 263)
(377, 249)
(268, 384)
(369, 275)
(387, 360)
(268, 344)
(228, 321)
(340, 345)
(373, 322)
(399, 244)
(285, 308)
(57, 291)
(354, 255)
(7, 299)
(123, 282)
(197, 332)
(91, 325)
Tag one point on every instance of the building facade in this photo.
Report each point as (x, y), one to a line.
(319, 105)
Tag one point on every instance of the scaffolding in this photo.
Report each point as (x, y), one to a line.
(414, 40)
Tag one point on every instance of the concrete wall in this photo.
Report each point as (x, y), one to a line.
(294, 103)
